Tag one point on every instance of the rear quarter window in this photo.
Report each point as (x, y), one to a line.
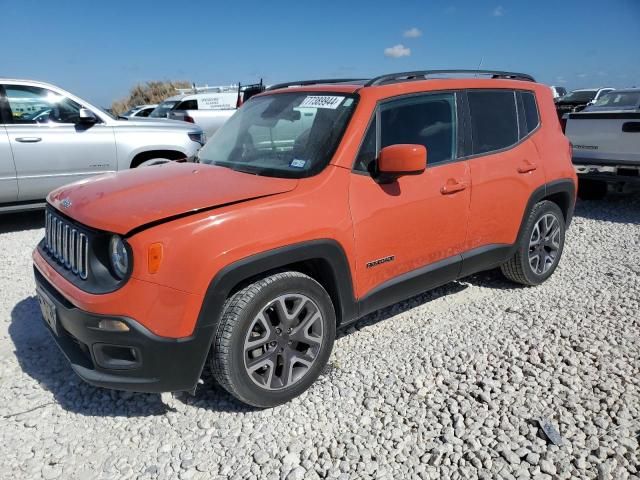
(494, 120)
(531, 115)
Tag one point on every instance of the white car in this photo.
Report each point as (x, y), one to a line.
(207, 107)
(606, 143)
(139, 111)
(49, 137)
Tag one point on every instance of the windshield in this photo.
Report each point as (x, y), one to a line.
(579, 96)
(289, 135)
(618, 100)
(163, 109)
(129, 112)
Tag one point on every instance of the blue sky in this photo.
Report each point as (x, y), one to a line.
(99, 49)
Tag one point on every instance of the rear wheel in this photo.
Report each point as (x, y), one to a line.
(591, 189)
(274, 339)
(540, 247)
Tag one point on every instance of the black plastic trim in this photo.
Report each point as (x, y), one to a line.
(305, 83)
(631, 127)
(244, 270)
(5, 110)
(485, 258)
(424, 74)
(162, 364)
(604, 115)
(607, 162)
(410, 284)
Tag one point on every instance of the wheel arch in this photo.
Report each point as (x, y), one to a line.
(323, 260)
(562, 192)
(149, 154)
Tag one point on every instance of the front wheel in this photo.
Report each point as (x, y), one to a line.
(540, 247)
(274, 338)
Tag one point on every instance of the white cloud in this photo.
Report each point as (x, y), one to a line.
(397, 51)
(583, 75)
(412, 33)
(561, 79)
(498, 11)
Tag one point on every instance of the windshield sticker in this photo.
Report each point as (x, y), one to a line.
(321, 101)
(296, 163)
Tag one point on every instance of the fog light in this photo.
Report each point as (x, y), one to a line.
(113, 325)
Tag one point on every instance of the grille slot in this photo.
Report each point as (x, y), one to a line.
(67, 245)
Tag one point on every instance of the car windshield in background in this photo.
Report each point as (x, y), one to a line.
(289, 135)
(618, 101)
(582, 96)
(163, 109)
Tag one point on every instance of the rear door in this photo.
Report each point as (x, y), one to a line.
(505, 168)
(50, 146)
(8, 182)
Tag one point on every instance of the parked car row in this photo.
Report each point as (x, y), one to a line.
(49, 137)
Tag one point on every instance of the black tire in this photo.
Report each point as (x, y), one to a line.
(591, 189)
(228, 355)
(518, 268)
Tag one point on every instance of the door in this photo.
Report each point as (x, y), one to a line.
(50, 145)
(414, 228)
(505, 169)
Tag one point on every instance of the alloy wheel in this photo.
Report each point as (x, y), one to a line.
(283, 341)
(544, 244)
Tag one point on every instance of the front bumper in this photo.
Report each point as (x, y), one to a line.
(136, 360)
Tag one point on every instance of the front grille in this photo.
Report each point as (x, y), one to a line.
(66, 244)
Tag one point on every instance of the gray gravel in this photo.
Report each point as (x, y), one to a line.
(450, 385)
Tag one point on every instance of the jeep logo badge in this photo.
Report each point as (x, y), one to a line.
(65, 203)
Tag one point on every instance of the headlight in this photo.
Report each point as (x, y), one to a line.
(119, 256)
(199, 137)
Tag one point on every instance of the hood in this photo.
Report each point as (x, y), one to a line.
(164, 123)
(120, 202)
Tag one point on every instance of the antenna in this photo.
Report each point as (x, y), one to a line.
(479, 65)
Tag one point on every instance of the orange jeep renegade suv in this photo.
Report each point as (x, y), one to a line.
(316, 203)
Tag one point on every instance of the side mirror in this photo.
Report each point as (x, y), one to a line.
(401, 159)
(87, 117)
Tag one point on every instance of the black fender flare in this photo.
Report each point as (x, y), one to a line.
(563, 188)
(327, 251)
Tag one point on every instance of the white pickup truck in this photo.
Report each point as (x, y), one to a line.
(606, 143)
(207, 107)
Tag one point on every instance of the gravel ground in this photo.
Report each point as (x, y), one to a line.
(450, 385)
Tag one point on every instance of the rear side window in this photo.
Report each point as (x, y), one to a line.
(188, 105)
(494, 120)
(531, 116)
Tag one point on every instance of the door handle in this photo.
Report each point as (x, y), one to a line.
(527, 167)
(452, 186)
(28, 139)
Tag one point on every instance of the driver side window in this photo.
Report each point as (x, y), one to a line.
(33, 105)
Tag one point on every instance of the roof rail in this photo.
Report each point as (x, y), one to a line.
(424, 74)
(303, 83)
